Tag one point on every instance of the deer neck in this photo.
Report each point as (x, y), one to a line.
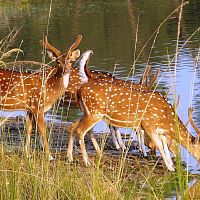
(58, 83)
(188, 141)
(62, 76)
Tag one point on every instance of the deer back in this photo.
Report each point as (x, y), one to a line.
(126, 107)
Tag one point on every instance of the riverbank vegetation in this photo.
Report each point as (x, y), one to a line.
(112, 176)
(37, 178)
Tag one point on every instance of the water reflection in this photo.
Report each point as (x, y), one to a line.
(109, 28)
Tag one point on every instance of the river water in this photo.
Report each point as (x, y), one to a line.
(118, 32)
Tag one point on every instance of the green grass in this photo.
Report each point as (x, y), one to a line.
(36, 178)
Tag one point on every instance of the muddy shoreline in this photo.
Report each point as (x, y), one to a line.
(13, 137)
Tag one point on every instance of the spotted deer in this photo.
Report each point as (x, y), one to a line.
(75, 82)
(123, 106)
(37, 92)
(79, 77)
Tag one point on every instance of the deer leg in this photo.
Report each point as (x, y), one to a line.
(42, 129)
(166, 149)
(29, 126)
(171, 145)
(119, 138)
(71, 140)
(85, 125)
(114, 137)
(155, 136)
(140, 135)
(94, 142)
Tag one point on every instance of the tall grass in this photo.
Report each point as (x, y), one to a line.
(108, 177)
(39, 179)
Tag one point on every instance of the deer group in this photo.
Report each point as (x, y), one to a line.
(124, 106)
(101, 97)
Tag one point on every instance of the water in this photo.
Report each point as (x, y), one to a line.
(109, 28)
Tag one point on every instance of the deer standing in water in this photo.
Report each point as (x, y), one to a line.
(37, 92)
(123, 106)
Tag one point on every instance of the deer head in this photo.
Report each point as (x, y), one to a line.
(63, 60)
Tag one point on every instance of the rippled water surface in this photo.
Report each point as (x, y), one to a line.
(118, 32)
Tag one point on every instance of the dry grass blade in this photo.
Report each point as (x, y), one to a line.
(5, 119)
(9, 39)
(178, 101)
(2, 64)
(10, 52)
(145, 75)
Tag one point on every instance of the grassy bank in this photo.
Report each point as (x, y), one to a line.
(111, 176)
(36, 178)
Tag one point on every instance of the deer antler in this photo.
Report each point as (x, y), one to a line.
(48, 46)
(190, 110)
(153, 79)
(146, 72)
(74, 45)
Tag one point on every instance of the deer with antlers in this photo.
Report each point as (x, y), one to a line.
(75, 82)
(124, 106)
(37, 92)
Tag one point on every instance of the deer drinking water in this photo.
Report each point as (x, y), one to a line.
(35, 92)
(123, 106)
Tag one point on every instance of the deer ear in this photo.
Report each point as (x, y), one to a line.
(51, 55)
(75, 55)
